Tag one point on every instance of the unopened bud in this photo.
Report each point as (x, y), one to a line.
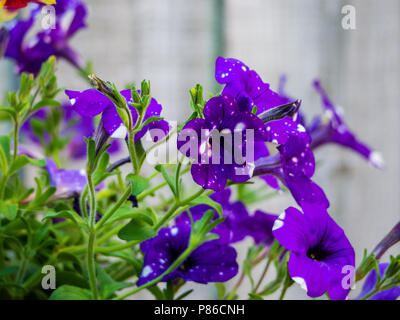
(280, 112)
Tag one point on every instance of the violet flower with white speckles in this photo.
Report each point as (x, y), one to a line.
(294, 166)
(211, 169)
(210, 262)
(319, 250)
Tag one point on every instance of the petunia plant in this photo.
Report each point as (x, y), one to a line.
(92, 208)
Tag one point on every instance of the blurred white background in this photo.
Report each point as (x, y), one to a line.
(175, 43)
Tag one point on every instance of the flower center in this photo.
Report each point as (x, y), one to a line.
(317, 254)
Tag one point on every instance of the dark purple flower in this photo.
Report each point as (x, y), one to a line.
(370, 283)
(91, 102)
(217, 159)
(294, 166)
(248, 89)
(233, 228)
(30, 55)
(210, 262)
(319, 250)
(331, 128)
(259, 227)
(245, 85)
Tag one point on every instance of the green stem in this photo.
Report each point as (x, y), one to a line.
(177, 177)
(82, 203)
(117, 205)
(284, 289)
(132, 153)
(91, 264)
(173, 266)
(92, 237)
(262, 276)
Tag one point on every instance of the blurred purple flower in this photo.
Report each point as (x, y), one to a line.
(331, 128)
(319, 250)
(67, 182)
(259, 227)
(73, 124)
(370, 283)
(210, 262)
(29, 55)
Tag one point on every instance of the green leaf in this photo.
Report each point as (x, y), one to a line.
(138, 184)
(255, 297)
(5, 146)
(208, 201)
(167, 177)
(149, 120)
(66, 214)
(108, 286)
(137, 229)
(45, 103)
(8, 271)
(67, 292)
(127, 212)
(9, 210)
(22, 160)
(71, 278)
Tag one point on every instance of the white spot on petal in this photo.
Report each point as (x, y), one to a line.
(120, 133)
(174, 231)
(277, 224)
(376, 159)
(301, 282)
(300, 128)
(73, 100)
(146, 271)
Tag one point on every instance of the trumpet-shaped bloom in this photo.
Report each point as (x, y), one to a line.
(210, 262)
(91, 102)
(319, 250)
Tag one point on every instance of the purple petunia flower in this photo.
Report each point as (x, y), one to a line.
(30, 55)
(330, 128)
(319, 250)
(259, 227)
(91, 102)
(76, 126)
(210, 262)
(294, 166)
(233, 228)
(245, 85)
(370, 282)
(248, 89)
(216, 159)
(67, 182)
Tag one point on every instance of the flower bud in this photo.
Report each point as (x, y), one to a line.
(279, 112)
